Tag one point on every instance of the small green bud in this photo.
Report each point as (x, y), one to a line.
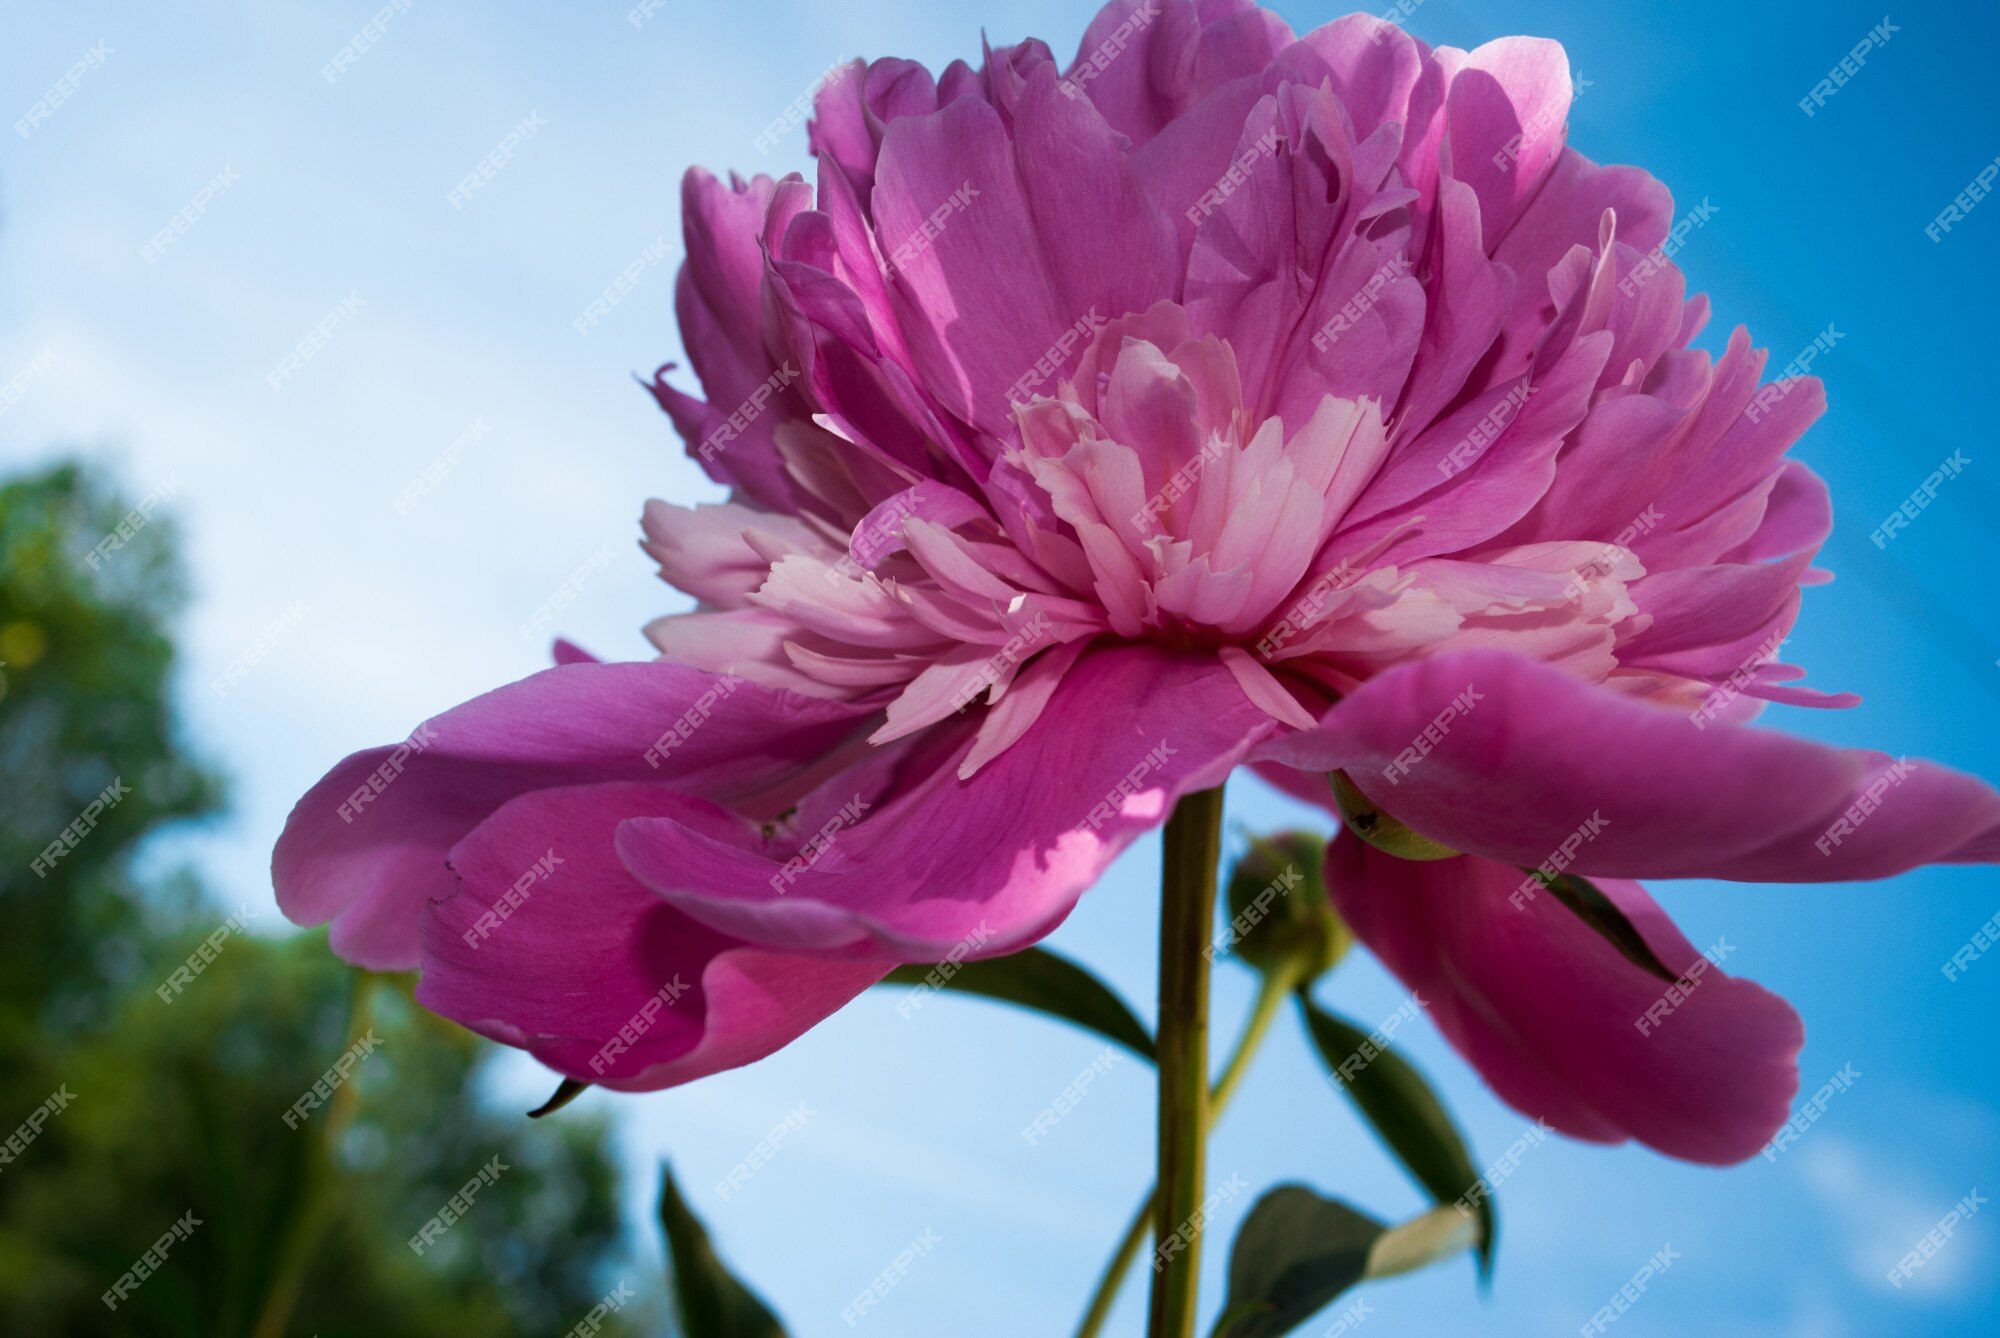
(1373, 824)
(1279, 914)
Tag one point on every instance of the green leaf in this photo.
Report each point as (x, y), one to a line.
(1294, 1253)
(1399, 1104)
(1601, 913)
(709, 1299)
(566, 1091)
(1037, 978)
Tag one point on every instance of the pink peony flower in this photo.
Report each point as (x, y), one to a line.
(1224, 398)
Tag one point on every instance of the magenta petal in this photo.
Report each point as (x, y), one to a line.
(550, 945)
(366, 855)
(925, 861)
(1561, 1024)
(1535, 755)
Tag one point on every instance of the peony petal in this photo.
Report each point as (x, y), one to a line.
(365, 848)
(550, 945)
(1534, 765)
(1560, 1023)
(931, 861)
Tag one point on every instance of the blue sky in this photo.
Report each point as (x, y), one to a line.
(461, 318)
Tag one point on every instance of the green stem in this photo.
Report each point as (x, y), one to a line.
(321, 1197)
(1271, 992)
(1187, 918)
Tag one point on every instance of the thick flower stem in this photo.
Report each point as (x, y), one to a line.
(1271, 992)
(1187, 919)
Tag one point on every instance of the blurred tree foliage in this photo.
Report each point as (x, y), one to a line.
(176, 1105)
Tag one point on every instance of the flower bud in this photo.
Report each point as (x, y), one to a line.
(1279, 915)
(1373, 824)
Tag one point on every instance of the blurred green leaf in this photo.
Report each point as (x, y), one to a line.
(711, 1302)
(1039, 979)
(1394, 1098)
(1294, 1253)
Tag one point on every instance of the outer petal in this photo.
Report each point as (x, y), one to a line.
(1532, 758)
(1560, 1023)
(927, 861)
(585, 953)
(367, 855)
